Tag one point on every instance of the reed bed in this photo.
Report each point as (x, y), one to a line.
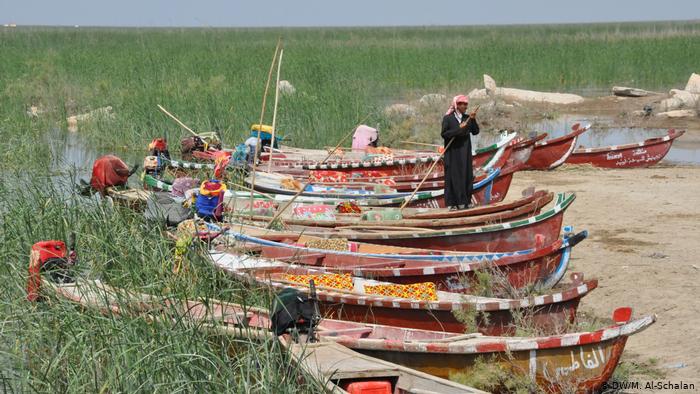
(56, 346)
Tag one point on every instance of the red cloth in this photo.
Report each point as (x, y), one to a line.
(108, 170)
(457, 99)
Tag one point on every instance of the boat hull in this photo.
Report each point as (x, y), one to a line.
(555, 369)
(553, 317)
(643, 154)
(548, 155)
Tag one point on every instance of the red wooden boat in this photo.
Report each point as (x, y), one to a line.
(336, 368)
(523, 149)
(406, 219)
(493, 316)
(579, 361)
(641, 154)
(503, 237)
(550, 154)
(543, 266)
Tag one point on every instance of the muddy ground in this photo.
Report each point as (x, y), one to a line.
(644, 241)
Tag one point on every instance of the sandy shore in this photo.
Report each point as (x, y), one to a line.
(643, 245)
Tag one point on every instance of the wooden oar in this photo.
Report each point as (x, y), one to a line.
(177, 120)
(432, 167)
(274, 112)
(262, 117)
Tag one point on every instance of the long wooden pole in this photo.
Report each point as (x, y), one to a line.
(262, 117)
(176, 120)
(420, 143)
(284, 208)
(471, 116)
(274, 112)
(430, 171)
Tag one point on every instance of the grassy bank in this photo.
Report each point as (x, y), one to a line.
(213, 78)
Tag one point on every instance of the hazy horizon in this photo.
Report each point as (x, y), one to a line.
(323, 13)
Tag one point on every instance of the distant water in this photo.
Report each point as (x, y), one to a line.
(682, 152)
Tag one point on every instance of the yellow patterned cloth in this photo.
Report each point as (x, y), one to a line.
(425, 291)
(335, 281)
(340, 244)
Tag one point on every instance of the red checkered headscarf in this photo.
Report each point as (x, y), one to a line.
(457, 99)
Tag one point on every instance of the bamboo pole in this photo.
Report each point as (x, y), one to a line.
(430, 171)
(262, 117)
(471, 116)
(274, 112)
(279, 213)
(177, 120)
(420, 143)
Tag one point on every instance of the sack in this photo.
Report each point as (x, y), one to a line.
(108, 171)
(161, 207)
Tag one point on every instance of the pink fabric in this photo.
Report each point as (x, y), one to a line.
(364, 135)
(457, 99)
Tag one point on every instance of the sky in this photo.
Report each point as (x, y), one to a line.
(291, 13)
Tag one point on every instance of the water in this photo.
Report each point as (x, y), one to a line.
(684, 150)
(72, 156)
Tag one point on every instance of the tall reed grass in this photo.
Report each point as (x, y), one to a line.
(213, 78)
(55, 346)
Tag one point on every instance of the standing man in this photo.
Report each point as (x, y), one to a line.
(457, 128)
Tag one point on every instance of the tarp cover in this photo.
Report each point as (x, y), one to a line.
(364, 136)
(108, 170)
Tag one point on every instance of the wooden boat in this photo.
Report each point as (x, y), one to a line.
(503, 237)
(311, 159)
(486, 190)
(529, 196)
(543, 266)
(641, 154)
(426, 200)
(404, 220)
(572, 362)
(334, 366)
(550, 154)
(131, 198)
(580, 361)
(524, 147)
(488, 315)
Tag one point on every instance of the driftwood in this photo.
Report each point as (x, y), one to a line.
(678, 113)
(630, 92)
(494, 92)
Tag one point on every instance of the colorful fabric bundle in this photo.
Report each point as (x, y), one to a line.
(221, 160)
(335, 281)
(348, 207)
(328, 176)
(425, 291)
(291, 184)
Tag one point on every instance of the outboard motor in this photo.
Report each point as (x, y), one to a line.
(201, 142)
(296, 313)
(159, 148)
(54, 259)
